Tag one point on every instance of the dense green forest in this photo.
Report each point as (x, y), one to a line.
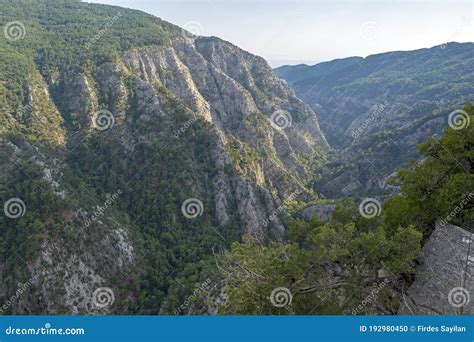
(73, 60)
(60, 39)
(331, 267)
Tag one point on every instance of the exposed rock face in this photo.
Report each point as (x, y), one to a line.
(322, 211)
(185, 117)
(67, 268)
(237, 93)
(444, 282)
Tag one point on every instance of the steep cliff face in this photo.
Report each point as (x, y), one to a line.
(444, 276)
(239, 96)
(107, 145)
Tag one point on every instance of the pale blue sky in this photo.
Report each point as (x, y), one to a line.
(311, 31)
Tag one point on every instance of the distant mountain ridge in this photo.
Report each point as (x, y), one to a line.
(375, 110)
(295, 73)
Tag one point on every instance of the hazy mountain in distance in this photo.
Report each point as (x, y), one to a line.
(146, 170)
(375, 110)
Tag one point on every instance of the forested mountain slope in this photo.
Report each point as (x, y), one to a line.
(134, 151)
(145, 170)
